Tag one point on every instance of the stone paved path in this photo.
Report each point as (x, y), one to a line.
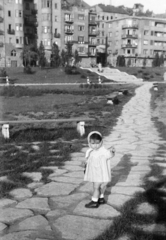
(56, 210)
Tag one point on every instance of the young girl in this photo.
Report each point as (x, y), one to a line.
(98, 168)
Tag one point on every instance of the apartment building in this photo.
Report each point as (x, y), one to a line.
(16, 28)
(136, 38)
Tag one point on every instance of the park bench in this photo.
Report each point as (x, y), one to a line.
(93, 80)
(80, 121)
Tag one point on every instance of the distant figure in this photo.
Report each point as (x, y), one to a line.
(97, 168)
(100, 68)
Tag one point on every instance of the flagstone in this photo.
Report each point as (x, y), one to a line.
(5, 202)
(34, 185)
(2, 227)
(146, 208)
(38, 205)
(87, 187)
(35, 176)
(25, 235)
(33, 223)
(66, 201)
(57, 173)
(104, 211)
(76, 181)
(157, 229)
(118, 200)
(73, 168)
(20, 194)
(77, 154)
(80, 228)
(52, 215)
(11, 215)
(55, 189)
(78, 174)
(77, 163)
(126, 190)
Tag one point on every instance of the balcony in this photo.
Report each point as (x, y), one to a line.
(11, 31)
(1, 44)
(92, 22)
(29, 23)
(69, 20)
(93, 32)
(92, 54)
(69, 31)
(82, 53)
(129, 45)
(134, 36)
(1, 19)
(1, 32)
(57, 35)
(133, 26)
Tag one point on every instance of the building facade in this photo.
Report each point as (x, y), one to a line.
(137, 38)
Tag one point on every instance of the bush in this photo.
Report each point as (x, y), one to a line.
(3, 75)
(28, 70)
(71, 70)
(83, 76)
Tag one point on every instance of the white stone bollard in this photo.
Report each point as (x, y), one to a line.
(81, 128)
(5, 131)
(7, 80)
(155, 88)
(99, 79)
(110, 102)
(120, 93)
(88, 81)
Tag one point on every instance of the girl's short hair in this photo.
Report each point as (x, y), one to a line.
(96, 136)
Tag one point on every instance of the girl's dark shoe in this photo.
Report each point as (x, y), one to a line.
(92, 204)
(101, 201)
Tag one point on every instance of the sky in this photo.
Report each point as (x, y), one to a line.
(157, 6)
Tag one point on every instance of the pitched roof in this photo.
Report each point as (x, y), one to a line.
(78, 2)
(112, 9)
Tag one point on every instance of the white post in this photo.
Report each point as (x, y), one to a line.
(7, 80)
(5, 131)
(81, 128)
(99, 80)
(88, 81)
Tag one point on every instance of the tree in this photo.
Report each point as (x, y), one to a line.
(76, 57)
(28, 55)
(156, 60)
(55, 58)
(161, 60)
(69, 53)
(63, 57)
(41, 55)
(144, 62)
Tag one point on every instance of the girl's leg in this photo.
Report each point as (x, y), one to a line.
(96, 191)
(102, 189)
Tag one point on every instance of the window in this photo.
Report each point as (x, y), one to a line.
(46, 29)
(9, 13)
(56, 6)
(47, 42)
(128, 51)
(68, 17)
(56, 18)
(81, 17)
(19, 40)
(103, 41)
(46, 3)
(102, 17)
(18, 1)
(152, 33)
(102, 33)
(81, 28)
(146, 32)
(151, 52)
(81, 49)
(13, 53)
(145, 51)
(145, 42)
(107, 18)
(19, 27)
(111, 17)
(80, 39)
(151, 42)
(109, 25)
(102, 25)
(18, 13)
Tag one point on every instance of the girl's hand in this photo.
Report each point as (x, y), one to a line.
(112, 149)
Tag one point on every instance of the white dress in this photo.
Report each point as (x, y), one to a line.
(98, 167)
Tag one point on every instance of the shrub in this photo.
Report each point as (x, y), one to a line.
(28, 70)
(71, 70)
(83, 76)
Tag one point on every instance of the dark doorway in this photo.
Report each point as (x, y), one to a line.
(101, 58)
